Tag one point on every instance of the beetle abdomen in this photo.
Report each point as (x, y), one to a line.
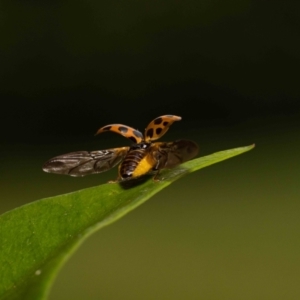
(131, 162)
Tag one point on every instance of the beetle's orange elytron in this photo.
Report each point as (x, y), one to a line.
(139, 159)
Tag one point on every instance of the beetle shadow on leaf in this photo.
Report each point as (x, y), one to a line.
(128, 184)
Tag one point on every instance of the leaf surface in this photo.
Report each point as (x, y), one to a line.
(37, 238)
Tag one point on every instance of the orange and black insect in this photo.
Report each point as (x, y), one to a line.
(139, 159)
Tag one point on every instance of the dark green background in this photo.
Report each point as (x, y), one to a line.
(231, 70)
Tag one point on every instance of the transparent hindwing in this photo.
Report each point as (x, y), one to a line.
(81, 163)
(175, 153)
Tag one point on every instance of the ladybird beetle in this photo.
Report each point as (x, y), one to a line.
(142, 157)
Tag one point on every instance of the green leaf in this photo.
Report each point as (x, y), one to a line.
(37, 238)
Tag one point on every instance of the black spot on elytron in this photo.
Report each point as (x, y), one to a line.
(106, 128)
(150, 132)
(157, 121)
(123, 129)
(158, 131)
(165, 123)
(138, 134)
(133, 139)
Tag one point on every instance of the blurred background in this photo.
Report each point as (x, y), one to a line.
(231, 70)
